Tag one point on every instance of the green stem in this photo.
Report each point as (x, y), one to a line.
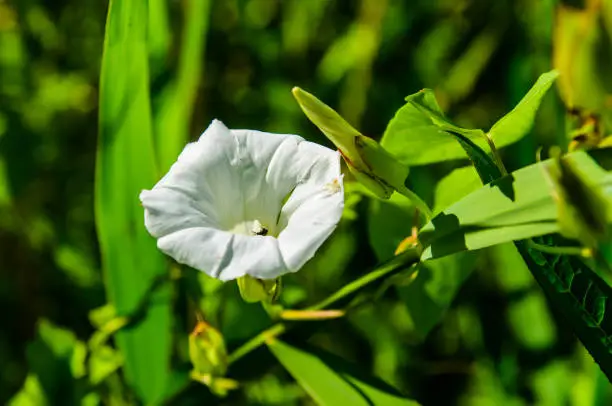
(579, 251)
(392, 266)
(496, 155)
(274, 331)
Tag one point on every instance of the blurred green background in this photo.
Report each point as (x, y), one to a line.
(498, 343)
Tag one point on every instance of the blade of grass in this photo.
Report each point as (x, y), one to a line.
(125, 165)
(176, 101)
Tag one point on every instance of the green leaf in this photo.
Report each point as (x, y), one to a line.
(514, 207)
(517, 123)
(330, 380)
(429, 296)
(487, 169)
(125, 165)
(527, 312)
(174, 107)
(389, 222)
(580, 295)
(419, 133)
(32, 393)
(454, 186)
(103, 361)
(56, 362)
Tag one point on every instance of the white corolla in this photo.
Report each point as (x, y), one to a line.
(246, 203)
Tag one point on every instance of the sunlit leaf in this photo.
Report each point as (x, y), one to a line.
(32, 393)
(332, 381)
(517, 206)
(517, 123)
(457, 184)
(419, 134)
(103, 361)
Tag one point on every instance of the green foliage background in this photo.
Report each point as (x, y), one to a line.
(500, 342)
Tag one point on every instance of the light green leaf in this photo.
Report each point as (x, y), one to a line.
(517, 123)
(103, 361)
(419, 133)
(514, 207)
(56, 362)
(125, 165)
(32, 393)
(332, 381)
(454, 186)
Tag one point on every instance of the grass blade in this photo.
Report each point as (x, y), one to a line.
(125, 165)
(333, 381)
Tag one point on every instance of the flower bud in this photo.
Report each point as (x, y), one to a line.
(207, 351)
(369, 162)
(255, 290)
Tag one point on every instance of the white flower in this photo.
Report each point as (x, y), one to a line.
(242, 202)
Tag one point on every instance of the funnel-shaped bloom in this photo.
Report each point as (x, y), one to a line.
(242, 202)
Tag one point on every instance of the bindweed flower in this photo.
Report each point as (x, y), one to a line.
(246, 203)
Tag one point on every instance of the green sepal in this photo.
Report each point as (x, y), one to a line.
(255, 290)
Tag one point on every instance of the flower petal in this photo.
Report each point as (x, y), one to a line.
(314, 208)
(224, 255)
(231, 177)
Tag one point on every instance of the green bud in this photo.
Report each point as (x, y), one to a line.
(207, 351)
(350, 142)
(371, 164)
(337, 129)
(255, 290)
